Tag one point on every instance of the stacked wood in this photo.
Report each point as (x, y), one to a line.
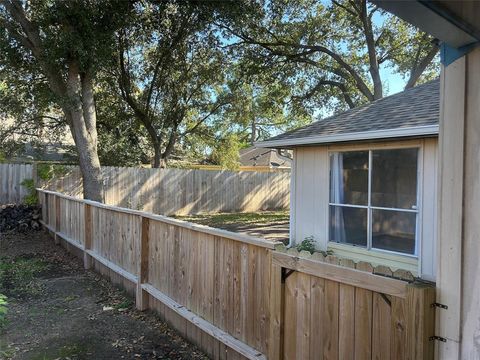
(19, 218)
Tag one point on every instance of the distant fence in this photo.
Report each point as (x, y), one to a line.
(11, 177)
(163, 191)
(237, 297)
(184, 192)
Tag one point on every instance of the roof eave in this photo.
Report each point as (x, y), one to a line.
(434, 18)
(427, 130)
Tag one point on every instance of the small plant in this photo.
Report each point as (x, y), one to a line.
(32, 198)
(3, 310)
(308, 244)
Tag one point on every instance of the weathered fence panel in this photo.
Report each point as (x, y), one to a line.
(184, 192)
(11, 177)
(238, 298)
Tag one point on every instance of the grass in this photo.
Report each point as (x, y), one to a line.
(72, 351)
(255, 218)
(17, 275)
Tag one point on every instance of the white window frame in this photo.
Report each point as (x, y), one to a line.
(369, 208)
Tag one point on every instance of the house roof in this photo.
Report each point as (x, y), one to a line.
(412, 113)
(254, 156)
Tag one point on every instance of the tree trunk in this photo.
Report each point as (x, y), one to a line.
(157, 157)
(75, 96)
(372, 54)
(80, 111)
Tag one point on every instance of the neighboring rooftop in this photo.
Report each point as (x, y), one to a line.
(254, 156)
(413, 112)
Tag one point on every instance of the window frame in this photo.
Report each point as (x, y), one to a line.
(418, 211)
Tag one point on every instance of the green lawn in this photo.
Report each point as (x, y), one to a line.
(222, 219)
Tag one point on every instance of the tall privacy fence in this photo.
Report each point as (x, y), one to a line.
(164, 191)
(237, 297)
(11, 178)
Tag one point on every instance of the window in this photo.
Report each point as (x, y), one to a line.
(373, 199)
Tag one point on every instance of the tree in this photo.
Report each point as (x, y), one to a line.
(172, 73)
(66, 43)
(226, 153)
(335, 50)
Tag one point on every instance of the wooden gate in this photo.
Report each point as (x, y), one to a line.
(335, 312)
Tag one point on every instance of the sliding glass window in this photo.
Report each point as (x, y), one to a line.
(373, 199)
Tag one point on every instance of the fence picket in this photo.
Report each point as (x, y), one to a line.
(237, 298)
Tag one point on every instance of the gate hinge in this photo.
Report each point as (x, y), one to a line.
(438, 338)
(441, 306)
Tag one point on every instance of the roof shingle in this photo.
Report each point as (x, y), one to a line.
(413, 108)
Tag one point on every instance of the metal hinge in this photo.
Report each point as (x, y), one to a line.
(441, 306)
(438, 338)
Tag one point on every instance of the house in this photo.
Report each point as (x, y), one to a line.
(267, 158)
(364, 181)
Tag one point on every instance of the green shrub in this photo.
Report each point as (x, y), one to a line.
(32, 198)
(308, 245)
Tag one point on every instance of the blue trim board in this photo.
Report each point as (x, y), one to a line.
(449, 54)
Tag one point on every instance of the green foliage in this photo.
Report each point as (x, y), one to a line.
(308, 244)
(3, 158)
(46, 171)
(332, 53)
(32, 198)
(3, 310)
(226, 153)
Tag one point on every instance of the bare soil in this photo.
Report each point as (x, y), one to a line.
(57, 310)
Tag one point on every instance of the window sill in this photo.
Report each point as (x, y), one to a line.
(394, 261)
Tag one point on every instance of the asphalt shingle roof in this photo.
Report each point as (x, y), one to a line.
(254, 156)
(412, 108)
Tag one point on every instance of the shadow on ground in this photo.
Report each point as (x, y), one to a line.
(57, 310)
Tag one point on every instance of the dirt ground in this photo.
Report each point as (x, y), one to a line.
(270, 225)
(57, 310)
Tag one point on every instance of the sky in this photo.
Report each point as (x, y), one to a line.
(394, 82)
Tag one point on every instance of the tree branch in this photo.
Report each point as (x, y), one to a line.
(417, 71)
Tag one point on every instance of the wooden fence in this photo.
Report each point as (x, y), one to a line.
(333, 312)
(185, 192)
(11, 177)
(236, 297)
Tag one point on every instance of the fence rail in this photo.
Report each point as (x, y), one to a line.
(236, 296)
(184, 192)
(345, 313)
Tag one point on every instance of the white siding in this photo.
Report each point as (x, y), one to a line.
(309, 213)
(428, 216)
(310, 193)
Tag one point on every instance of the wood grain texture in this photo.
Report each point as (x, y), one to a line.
(230, 297)
(174, 191)
(11, 178)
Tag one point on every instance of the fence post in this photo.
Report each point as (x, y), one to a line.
(45, 204)
(420, 321)
(276, 294)
(57, 219)
(87, 215)
(141, 295)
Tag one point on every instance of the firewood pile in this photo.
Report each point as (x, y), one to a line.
(19, 218)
